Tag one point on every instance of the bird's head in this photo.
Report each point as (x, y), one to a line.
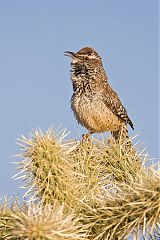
(85, 55)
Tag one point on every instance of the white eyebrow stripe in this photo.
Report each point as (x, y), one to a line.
(92, 57)
(74, 61)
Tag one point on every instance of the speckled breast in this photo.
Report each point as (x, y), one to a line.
(93, 114)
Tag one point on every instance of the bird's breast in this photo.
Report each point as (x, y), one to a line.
(92, 113)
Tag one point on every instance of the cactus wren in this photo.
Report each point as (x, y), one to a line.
(94, 103)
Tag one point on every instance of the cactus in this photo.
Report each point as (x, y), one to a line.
(93, 190)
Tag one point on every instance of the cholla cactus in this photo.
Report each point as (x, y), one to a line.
(43, 167)
(91, 190)
(40, 222)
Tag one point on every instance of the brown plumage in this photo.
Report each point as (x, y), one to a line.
(94, 103)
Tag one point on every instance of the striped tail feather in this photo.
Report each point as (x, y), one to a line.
(121, 136)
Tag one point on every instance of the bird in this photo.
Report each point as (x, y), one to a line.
(95, 104)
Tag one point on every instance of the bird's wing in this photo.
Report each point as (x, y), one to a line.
(113, 102)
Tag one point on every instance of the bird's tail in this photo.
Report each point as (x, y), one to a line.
(121, 136)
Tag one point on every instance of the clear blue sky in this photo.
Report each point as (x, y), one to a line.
(35, 89)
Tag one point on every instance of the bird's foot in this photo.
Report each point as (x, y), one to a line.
(111, 141)
(86, 138)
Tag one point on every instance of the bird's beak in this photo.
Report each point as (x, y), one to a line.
(69, 54)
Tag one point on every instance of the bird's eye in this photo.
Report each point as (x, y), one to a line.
(86, 58)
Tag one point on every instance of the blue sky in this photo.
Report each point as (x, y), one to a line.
(35, 88)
